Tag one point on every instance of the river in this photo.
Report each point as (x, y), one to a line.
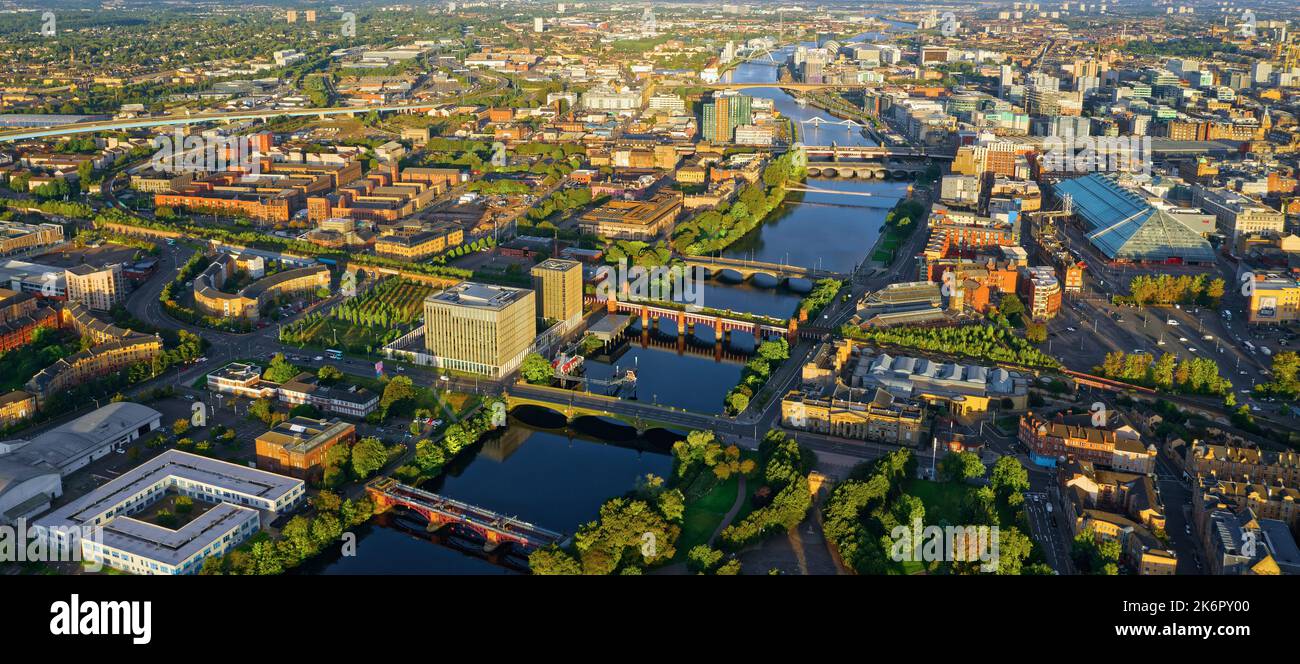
(557, 479)
(553, 479)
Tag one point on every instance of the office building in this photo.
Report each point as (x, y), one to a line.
(480, 328)
(1274, 299)
(297, 447)
(1237, 214)
(726, 111)
(241, 380)
(346, 400)
(632, 220)
(557, 285)
(16, 237)
(229, 503)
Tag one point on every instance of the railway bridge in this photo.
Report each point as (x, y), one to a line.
(722, 323)
(496, 529)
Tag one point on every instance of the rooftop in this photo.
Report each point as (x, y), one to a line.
(474, 294)
(158, 543)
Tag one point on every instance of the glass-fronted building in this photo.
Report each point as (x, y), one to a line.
(1125, 228)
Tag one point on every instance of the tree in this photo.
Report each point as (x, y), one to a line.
(1011, 305)
(737, 402)
(398, 389)
(280, 370)
(1009, 480)
(262, 410)
(553, 560)
(328, 375)
(961, 466)
(1036, 333)
(536, 370)
(1013, 548)
(703, 559)
(368, 456)
(181, 426)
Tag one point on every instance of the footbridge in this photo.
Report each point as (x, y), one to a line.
(496, 529)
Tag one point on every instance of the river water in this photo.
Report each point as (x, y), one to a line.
(553, 479)
(557, 479)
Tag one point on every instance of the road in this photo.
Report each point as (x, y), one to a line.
(169, 120)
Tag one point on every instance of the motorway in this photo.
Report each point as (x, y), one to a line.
(227, 116)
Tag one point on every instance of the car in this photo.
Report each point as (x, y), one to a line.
(1183, 339)
(318, 358)
(1208, 337)
(1173, 322)
(189, 397)
(1243, 372)
(1070, 329)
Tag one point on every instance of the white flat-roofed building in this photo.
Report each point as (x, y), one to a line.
(241, 380)
(132, 545)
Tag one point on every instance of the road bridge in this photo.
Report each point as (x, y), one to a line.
(873, 152)
(162, 121)
(865, 170)
(788, 85)
(747, 268)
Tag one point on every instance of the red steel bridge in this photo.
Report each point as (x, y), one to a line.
(497, 529)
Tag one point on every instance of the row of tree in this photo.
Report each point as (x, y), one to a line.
(715, 230)
(768, 356)
(993, 343)
(302, 538)
(1197, 375)
(1167, 289)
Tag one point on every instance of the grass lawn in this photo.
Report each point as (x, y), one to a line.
(703, 516)
(943, 500)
